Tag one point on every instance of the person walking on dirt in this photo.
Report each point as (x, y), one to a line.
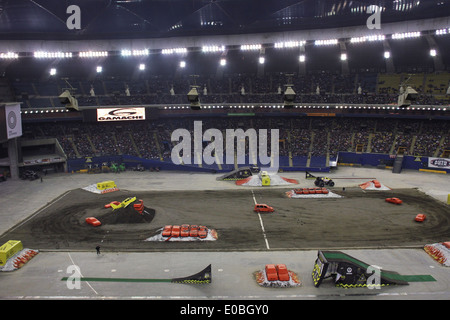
(98, 249)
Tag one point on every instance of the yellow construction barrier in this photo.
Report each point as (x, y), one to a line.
(106, 185)
(448, 198)
(9, 249)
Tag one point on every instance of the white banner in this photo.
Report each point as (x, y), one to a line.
(120, 114)
(13, 121)
(442, 163)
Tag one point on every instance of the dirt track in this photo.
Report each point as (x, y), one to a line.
(359, 219)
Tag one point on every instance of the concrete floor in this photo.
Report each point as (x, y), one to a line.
(232, 271)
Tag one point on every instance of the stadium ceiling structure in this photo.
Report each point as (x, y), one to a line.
(131, 19)
(36, 36)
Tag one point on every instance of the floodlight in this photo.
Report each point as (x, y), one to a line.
(142, 66)
(262, 60)
(405, 99)
(302, 58)
(52, 71)
(99, 69)
(9, 55)
(68, 101)
(387, 54)
(433, 52)
(289, 97)
(182, 64)
(193, 98)
(343, 56)
(223, 62)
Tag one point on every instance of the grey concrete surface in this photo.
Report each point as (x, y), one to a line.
(232, 272)
(232, 276)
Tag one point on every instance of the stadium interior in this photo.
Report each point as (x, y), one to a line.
(350, 84)
(354, 84)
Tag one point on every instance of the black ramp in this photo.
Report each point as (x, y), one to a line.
(238, 174)
(309, 176)
(349, 272)
(201, 277)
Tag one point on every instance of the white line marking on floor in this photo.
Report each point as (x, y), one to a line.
(264, 232)
(254, 199)
(70, 257)
(262, 225)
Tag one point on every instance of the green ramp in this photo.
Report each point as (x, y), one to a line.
(349, 272)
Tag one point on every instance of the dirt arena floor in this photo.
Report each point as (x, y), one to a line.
(359, 219)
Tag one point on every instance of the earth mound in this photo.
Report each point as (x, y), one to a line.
(127, 216)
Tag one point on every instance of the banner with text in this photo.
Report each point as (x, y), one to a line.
(441, 163)
(120, 114)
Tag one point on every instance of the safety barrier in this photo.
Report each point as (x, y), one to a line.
(271, 272)
(109, 190)
(277, 272)
(277, 276)
(24, 257)
(439, 252)
(311, 191)
(282, 272)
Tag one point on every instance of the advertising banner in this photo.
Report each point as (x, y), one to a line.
(120, 114)
(441, 163)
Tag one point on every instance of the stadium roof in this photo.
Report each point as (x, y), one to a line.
(126, 19)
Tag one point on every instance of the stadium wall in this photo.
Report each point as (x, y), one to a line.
(385, 160)
(298, 163)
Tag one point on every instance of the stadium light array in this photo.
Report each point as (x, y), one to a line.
(372, 38)
(174, 50)
(9, 55)
(442, 31)
(213, 49)
(326, 42)
(52, 55)
(250, 47)
(406, 35)
(92, 54)
(139, 53)
(136, 53)
(289, 44)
